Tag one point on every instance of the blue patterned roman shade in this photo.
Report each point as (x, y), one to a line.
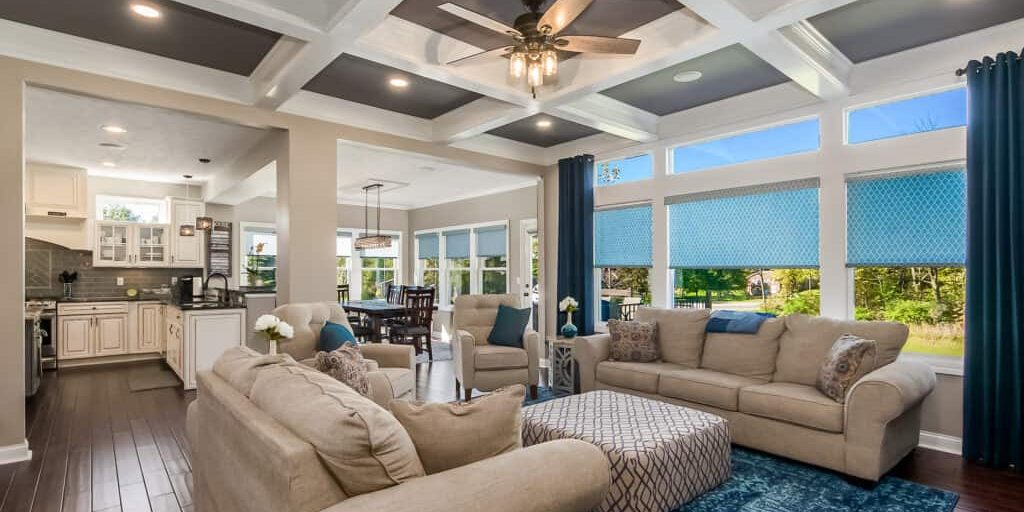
(491, 241)
(456, 244)
(429, 246)
(771, 226)
(622, 237)
(908, 220)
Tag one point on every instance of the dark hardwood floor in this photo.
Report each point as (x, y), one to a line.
(97, 446)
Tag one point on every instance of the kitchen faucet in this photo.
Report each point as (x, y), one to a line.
(206, 285)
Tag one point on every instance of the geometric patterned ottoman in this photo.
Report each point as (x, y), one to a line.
(662, 455)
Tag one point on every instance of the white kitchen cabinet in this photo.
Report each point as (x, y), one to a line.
(56, 191)
(75, 337)
(110, 334)
(174, 337)
(195, 339)
(126, 244)
(186, 251)
(151, 329)
(100, 329)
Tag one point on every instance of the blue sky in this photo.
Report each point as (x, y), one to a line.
(922, 114)
(632, 168)
(757, 145)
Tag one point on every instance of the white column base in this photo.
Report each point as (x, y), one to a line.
(941, 442)
(15, 453)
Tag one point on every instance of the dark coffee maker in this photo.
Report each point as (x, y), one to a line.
(186, 289)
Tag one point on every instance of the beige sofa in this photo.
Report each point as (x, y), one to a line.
(487, 367)
(764, 385)
(394, 366)
(244, 460)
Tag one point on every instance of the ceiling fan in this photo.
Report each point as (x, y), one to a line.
(535, 41)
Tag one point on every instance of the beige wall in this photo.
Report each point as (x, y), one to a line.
(943, 411)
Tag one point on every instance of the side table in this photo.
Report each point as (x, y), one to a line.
(563, 366)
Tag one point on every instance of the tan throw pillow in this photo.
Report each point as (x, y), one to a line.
(452, 435)
(345, 364)
(240, 366)
(850, 358)
(363, 446)
(634, 341)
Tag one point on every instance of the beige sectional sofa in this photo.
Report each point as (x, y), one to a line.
(764, 384)
(270, 435)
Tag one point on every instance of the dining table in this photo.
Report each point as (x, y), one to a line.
(376, 310)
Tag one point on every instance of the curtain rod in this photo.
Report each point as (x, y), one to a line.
(963, 71)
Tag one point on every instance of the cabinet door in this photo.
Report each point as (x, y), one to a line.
(111, 335)
(152, 245)
(151, 328)
(74, 337)
(113, 245)
(55, 191)
(188, 250)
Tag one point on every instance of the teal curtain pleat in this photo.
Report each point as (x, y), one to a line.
(994, 352)
(576, 239)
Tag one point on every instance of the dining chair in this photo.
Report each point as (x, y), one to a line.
(395, 293)
(416, 323)
(355, 320)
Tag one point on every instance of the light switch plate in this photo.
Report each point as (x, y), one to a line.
(120, 281)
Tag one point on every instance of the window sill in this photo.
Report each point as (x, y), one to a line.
(943, 365)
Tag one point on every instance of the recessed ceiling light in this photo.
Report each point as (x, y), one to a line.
(544, 123)
(109, 164)
(687, 76)
(400, 83)
(109, 128)
(146, 11)
(111, 145)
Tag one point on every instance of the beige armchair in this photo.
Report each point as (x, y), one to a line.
(392, 368)
(487, 367)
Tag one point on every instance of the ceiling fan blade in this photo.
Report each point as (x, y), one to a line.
(561, 14)
(598, 44)
(497, 52)
(477, 18)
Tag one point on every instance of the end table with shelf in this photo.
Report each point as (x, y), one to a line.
(562, 365)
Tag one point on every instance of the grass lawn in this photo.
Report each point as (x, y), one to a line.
(939, 340)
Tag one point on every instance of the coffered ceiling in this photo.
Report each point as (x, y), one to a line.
(544, 130)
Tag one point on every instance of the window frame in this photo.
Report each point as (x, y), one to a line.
(243, 227)
(846, 111)
(670, 156)
(475, 267)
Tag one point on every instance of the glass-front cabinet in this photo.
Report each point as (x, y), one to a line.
(121, 244)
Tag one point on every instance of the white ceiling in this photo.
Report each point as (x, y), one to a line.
(160, 145)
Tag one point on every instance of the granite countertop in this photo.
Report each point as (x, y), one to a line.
(168, 301)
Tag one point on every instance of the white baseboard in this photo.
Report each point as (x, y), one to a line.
(941, 442)
(15, 453)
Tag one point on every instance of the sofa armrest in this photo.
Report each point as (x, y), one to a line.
(564, 475)
(463, 344)
(588, 352)
(534, 349)
(390, 356)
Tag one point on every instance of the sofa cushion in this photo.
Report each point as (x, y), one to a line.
(807, 340)
(636, 376)
(706, 387)
(680, 333)
(792, 403)
(239, 366)
(486, 427)
(402, 380)
(497, 357)
(633, 341)
(360, 443)
(748, 355)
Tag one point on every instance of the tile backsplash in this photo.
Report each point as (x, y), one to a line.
(44, 261)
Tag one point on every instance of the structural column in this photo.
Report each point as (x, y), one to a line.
(307, 215)
(12, 272)
(662, 291)
(836, 280)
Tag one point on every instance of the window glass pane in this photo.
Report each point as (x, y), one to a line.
(930, 300)
(260, 259)
(458, 283)
(129, 209)
(778, 291)
(343, 245)
(623, 291)
(771, 142)
(374, 283)
(494, 282)
(342, 272)
(623, 170)
(904, 117)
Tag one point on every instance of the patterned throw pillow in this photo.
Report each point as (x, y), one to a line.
(848, 360)
(346, 365)
(634, 341)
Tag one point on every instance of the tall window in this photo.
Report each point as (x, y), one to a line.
(131, 209)
(624, 170)
(906, 241)
(927, 113)
(787, 139)
(492, 259)
(259, 257)
(379, 268)
(458, 263)
(623, 257)
(428, 268)
(747, 249)
(344, 255)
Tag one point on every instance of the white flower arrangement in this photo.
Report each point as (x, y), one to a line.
(273, 328)
(568, 305)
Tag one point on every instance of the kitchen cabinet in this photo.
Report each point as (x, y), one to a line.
(151, 329)
(92, 330)
(174, 333)
(110, 334)
(195, 339)
(75, 337)
(56, 191)
(186, 251)
(126, 244)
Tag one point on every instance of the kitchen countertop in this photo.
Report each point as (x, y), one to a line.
(168, 301)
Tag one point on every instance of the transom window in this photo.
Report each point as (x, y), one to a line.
(624, 170)
(131, 209)
(938, 111)
(759, 144)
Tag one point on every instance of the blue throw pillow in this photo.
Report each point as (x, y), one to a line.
(333, 336)
(509, 327)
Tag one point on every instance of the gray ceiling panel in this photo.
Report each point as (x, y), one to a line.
(354, 79)
(560, 131)
(181, 32)
(727, 72)
(870, 29)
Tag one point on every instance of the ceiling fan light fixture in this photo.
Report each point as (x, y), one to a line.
(550, 60)
(535, 74)
(517, 65)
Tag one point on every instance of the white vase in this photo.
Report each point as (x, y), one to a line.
(272, 347)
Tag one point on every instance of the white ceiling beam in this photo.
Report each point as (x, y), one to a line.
(476, 118)
(354, 19)
(336, 110)
(611, 116)
(261, 15)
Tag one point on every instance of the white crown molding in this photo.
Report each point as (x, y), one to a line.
(18, 452)
(941, 442)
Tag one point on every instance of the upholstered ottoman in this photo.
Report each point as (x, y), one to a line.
(661, 455)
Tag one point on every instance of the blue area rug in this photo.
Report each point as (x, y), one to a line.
(765, 483)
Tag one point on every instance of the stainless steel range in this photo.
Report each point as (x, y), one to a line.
(47, 333)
